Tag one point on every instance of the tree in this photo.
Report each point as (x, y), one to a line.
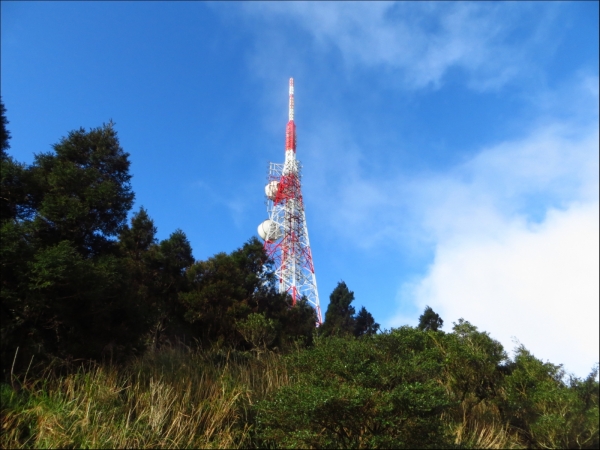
(13, 198)
(364, 323)
(430, 321)
(63, 280)
(474, 365)
(548, 410)
(174, 260)
(156, 274)
(82, 191)
(339, 318)
(139, 251)
(136, 240)
(221, 292)
(176, 255)
(225, 289)
(4, 133)
(297, 322)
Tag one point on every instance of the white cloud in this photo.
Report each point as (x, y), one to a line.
(532, 278)
(553, 166)
(422, 41)
(537, 284)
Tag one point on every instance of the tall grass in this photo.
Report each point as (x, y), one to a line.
(480, 425)
(178, 398)
(173, 398)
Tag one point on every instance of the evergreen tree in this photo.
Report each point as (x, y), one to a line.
(429, 320)
(4, 133)
(225, 289)
(156, 274)
(364, 323)
(297, 323)
(175, 258)
(13, 198)
(141, 257)
(63, 280)
(339, 318)
(176, 255)
(83, 190)
(136, 240)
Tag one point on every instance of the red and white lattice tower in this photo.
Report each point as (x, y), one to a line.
(285, 232)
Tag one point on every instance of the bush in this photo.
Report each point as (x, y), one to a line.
(379, 391)
(547, 411)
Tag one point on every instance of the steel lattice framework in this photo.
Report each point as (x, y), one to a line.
(285, 232)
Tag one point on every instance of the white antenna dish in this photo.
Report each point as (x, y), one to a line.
(269, 231)
(271, 189)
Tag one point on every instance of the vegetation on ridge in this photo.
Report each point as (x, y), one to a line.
(111, 338)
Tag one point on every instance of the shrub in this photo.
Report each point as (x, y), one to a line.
(379, 391)
(547, 411)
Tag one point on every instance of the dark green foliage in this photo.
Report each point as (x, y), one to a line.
(391, 390)
(381, 391)
(429, 320)
(226, 289)
(223, 291)
(68, 305)
(174, 258)
(296, 323)
(156, 274)
(339, 318)
(258, 331)
(4, 133)
(409, 388)
(81, 191)
(78, 282)
(63, 282)
(548, 411)
(13, 195)
(474, 362)
(69, 289)
(16, 199)
(137, 239)
(176, 254)
(364, 323)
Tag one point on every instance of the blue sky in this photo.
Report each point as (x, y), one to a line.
(450, 150)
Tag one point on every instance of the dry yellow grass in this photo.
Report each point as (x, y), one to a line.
(482, 428)
(171, 399)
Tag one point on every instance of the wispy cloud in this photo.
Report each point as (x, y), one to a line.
(235, 203)
(553, 165)
(420, 42)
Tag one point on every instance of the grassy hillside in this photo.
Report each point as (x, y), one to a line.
(404, 388)
(173, 398)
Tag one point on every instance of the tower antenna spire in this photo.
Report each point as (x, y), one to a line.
(291, 104)
(285, 232)
(290, 129)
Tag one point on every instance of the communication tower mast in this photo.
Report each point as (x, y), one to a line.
(285, 232)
